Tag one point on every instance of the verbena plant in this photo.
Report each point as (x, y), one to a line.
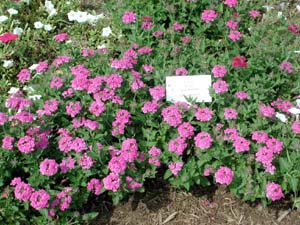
(90, 121)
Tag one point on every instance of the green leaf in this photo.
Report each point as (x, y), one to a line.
(168, 174)
(90, 216)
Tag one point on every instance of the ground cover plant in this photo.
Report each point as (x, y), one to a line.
(83, 111)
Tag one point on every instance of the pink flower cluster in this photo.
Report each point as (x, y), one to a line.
(209, 15)
(24, 192)
(274, 191)
(267, 153)
(203, 140)
(224, 175)
(154, 153)
(172, 115)
(122, 118)
(175, 167)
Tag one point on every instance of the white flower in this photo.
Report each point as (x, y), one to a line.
(101, 46)
(8, 63)
(33, 67)
(296, 51)
(91, 18)
(81, 17)
(281, 117)
(34, 97)
(49, 5)
(12, 11)
(69, 41)
(282, 4)
(106, 31)
(38, 25)
(298, 8)
(28, 89)
(68, 2)
(48, 27)
(298, 102)
(50, 8)
(280, 15)
(3, 19)
(18, 31)
(294, 111)
(72, 15)
(26, 1)
(268, 7)
(100, 16)
(13, 90)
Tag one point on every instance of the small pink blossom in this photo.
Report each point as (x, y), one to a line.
(231, 3)
(129, 17)
(224, 175)
(274, 191)
(209, 15)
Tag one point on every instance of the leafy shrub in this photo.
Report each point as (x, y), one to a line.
(93, 121)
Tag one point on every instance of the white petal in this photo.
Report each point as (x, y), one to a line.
(294, 111)
(281, 117)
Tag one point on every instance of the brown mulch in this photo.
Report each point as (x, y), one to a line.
(210, 206)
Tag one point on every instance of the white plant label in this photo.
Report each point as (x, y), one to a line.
(179, 88)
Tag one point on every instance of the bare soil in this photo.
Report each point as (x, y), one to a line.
(163, 205)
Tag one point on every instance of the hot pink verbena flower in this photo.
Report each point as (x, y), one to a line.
(67, 164)
(233, 25)
(48, 167)
(129, 149)
(235, 35)
(86, 161)
(23, 191)
(220, 86)
(274, 145)
(209, 15)
(266, 111)
(73, 108)
(26, 144)
(61, 37)
(274, 191)
(241, 144)
(231, 3)
(241, 95)
(186, 130)
(42, 67)
(203, 140)
(204, 114)
(172, 116)
(117, 165)
(224, 175)
(112, 182)
(230, 114)
(296, 127)
(178, 26)
(254, 13)
(24, 75)
(177, 145)
(150, 107)
(175, 167)
(39, 199)
(260, 137)
(219, 71)
(97, 108)
(157, 93)
(129, 17)
(95, 186)
(286, 66)
(7, 142)
(181, 71)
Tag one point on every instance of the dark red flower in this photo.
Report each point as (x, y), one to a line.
(235, 14)
(239, 61)
(7, 37)
(147, 18)
(294, 28)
